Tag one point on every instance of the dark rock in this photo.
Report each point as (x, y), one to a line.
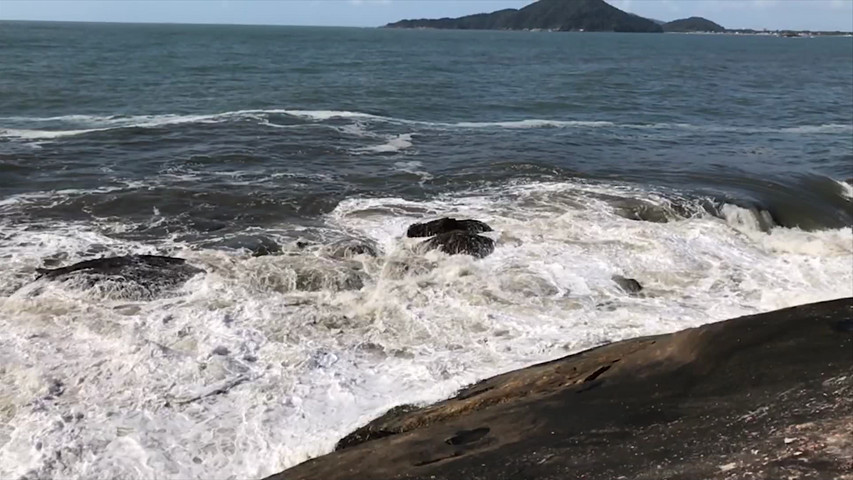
(56, 388)
(220, 350)
(370, 432)
(628, 284)
(117, 265)
(135, 275)
(445, 225)
(761, 396)
(459, 242)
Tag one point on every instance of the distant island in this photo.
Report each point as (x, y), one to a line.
(554, 15)
(583, 16)
(693, 24)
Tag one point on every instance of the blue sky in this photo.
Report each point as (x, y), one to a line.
(771, 14)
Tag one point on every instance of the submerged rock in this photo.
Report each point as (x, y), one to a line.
(644, 211)
(315, 279)
(446, 225)
(257, 246)
(628, 284)
(126, 276)
(460, 242)
(349, 249)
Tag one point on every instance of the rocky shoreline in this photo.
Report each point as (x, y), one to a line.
(760, 396)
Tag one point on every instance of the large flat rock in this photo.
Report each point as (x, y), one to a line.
(766, 396)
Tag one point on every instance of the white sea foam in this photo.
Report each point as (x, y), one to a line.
(323, 114)
(414, 167)
(846, 189)
(394, 144)
(57, 196)
(532, 123)
(826, 128)
(44, 134)
(84, 124)
(98, 387)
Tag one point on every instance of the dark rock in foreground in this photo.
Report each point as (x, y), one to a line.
(765, 396)
(459, 242)
(143, 275)
(627, 284)
(446, 225)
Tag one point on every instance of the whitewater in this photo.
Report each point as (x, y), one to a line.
(262, 363)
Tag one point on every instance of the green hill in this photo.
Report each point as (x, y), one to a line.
(560, 15)
(692, 24)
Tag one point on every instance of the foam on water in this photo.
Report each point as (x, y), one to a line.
(58, 196)
(73, 125)
(414, 167)
(394, 144)
(44, 134)
(532, 123)
(846, 189)
(265, 362)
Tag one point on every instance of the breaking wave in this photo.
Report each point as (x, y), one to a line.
(29, 128)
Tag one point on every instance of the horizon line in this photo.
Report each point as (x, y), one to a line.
(120, 22)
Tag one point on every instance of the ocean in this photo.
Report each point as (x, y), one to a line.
(714, 169)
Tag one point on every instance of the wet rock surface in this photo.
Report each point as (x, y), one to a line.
(454, 237)
(446, 225)
(762, 396)
(129, 275)
(629, 285)
(459, 242)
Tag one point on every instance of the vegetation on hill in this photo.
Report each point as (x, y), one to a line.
(560, 15)
(692, 24)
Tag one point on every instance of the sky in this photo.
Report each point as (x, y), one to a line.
(758, 14)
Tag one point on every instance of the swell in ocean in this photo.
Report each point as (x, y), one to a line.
(360, 145)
